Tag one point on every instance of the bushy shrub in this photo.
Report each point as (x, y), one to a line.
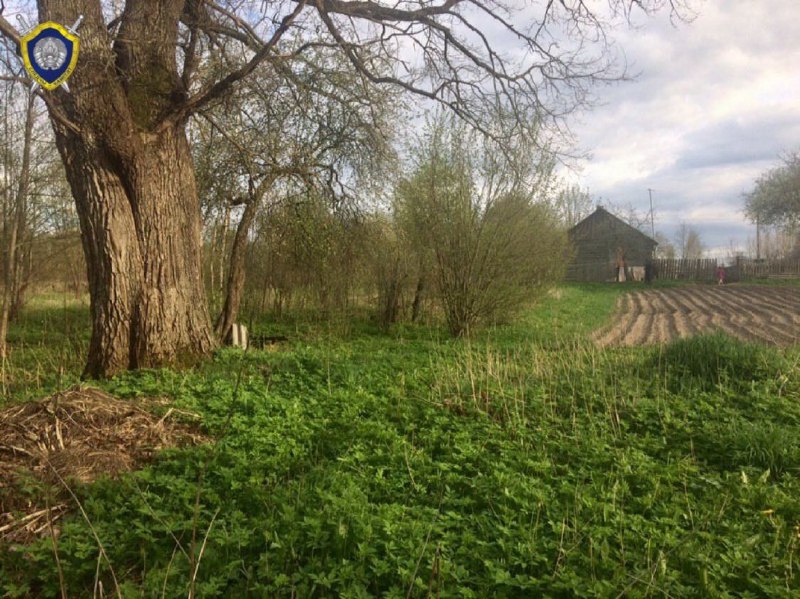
(477, 216)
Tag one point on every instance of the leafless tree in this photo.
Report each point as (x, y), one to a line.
(665, 248)
(572, 204)
(280, 141)
(14, 216)
(688, 241)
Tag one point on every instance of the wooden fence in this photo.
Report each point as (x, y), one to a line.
(749, 268)
(685, 269)
(702, 270)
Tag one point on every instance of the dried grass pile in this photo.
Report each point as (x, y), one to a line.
(79, 434)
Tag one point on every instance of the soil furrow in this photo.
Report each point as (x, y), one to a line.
(784, 309)
(655, 302)
(749, 321)
(763, 314)
(737, 318)
(663, 328)
(621, 321)
(698, 313)
(638, 329)
(639, 333)
(682, 325)
(766, 300)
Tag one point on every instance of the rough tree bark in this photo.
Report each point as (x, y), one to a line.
(142, 241)
(132, 177)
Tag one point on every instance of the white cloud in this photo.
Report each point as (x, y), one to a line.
(714, 105)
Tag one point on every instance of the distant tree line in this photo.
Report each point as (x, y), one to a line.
(39, 234)
(466, 233)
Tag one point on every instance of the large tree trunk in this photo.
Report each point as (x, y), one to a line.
(141, 238)
(132, 176)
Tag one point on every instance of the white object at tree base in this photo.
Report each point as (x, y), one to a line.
(238, 336)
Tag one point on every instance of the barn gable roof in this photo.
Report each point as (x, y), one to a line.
(585, 226)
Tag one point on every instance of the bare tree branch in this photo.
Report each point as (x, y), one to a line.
(222, 87)
(8, 30)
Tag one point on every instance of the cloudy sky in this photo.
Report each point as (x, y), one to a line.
(716, 102)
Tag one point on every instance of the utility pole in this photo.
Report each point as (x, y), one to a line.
(758, 238)
(652, 220)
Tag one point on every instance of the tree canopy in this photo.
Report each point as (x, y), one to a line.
(474, 57)
(483, 223)
(775, 200)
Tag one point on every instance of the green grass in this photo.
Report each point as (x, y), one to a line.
(524, 462)
(48, 345)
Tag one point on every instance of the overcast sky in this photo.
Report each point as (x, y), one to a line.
(717, 101)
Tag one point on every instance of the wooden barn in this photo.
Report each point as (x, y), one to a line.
(603, 243)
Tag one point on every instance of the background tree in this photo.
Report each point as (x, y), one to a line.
(629, 214)
(15, 198)
(688, 242)
(37, 235)
(323, 133)
(306, 254)
(775, 199)
(46, 208)
(147, 66)
(665, 249)
(773, 243)
(393, 267)
(573, 204)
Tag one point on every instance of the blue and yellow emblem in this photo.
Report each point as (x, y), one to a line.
(50, 53)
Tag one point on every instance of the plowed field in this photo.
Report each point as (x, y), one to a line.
(755, 313)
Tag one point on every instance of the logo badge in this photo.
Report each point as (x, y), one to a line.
(50, 53)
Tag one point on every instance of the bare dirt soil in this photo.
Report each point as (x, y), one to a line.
(754, 313)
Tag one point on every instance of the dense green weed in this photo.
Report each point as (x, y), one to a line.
(525, 462)
(716, 360)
